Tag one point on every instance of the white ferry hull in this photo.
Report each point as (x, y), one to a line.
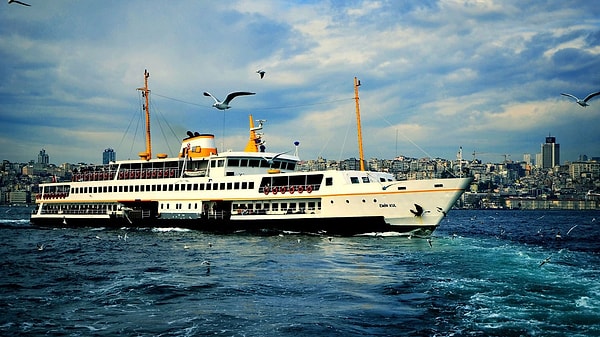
(340, 209)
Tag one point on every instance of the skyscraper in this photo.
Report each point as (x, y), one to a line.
(43, 157)
(550, 153)
(108, 155)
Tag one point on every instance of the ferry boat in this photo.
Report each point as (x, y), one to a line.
(254, 190)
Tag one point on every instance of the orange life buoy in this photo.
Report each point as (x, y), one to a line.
(308, 188)
(292, 189)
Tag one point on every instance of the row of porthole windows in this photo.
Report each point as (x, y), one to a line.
(277, 206)
(363, 200)
(179, 206)
(164, 187)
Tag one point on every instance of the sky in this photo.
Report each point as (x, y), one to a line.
(435, 76)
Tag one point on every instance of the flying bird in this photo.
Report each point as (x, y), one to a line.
(18, 2)
(270, 160)
(582, 102)
(546, 260)
(261, 73)
(225, 104)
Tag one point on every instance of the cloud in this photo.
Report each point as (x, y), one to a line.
(440, 74)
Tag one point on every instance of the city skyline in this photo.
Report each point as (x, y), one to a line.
(548, 157)
(436, 76)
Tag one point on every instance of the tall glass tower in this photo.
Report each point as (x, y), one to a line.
(108, 155)
(550, 153)
(43, 157)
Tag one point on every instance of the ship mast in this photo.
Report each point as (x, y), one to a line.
(359, 129)
(146, 94)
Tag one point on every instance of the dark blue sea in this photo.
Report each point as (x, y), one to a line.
(483, 275)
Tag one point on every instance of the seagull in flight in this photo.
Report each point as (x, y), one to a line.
(582, 102)
(18, 2)
(270, 160)
(225, 104)
(261, 73)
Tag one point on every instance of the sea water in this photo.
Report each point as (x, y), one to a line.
(483, 273)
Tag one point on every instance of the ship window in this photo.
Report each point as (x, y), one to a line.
(208, 186)
(201, 187)
(311, 205)
(222, 186)
(170, 187)
(176, 187)
(229, 186)
(254, 163)
(126, 188)
(215, 186)
(233, 162)
(137, 188)
(291, 166)
(148, 188)
(438, 185)
(195, 187)
(283, 206)
(244, 162)
(354, 180)
(244, 185)
(120, 188)
(382, 179)
(275, 206)
(164, 187)
(158, 188)
(236, 185)
(401, 188)
(95, 189)
(221, 162)
(329, 181)
(251, 185)
(365, 179)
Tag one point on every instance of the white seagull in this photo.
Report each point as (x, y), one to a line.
(18, 2)
(582, 102)
(225, 104)
(261, 73)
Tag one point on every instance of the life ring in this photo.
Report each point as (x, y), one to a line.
(300, 189)
(172, 173)
(275, 190)
(159, 173)
(292, 189)
(121, 175)
(282, 189)
(137, 174)
(153, 174)
(266, 190)
(308, 188)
